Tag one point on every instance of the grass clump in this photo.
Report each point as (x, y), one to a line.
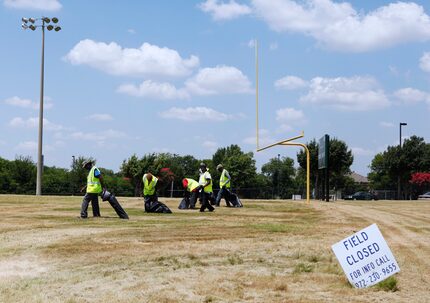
(303, 267)
(234, 260)
(389, 284)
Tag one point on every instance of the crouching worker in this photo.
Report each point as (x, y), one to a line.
(93, 189)
(149, 189)
(152, 205)
(191, 191)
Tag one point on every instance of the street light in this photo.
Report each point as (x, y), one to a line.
(400, 145)
(33, 25)
(401, 124)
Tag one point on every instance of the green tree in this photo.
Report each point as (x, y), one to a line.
(340, 161)
(240, 165)
(281, 173)
(392, 169)
(23, 175)
(56, 181)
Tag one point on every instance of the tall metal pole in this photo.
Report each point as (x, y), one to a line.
(256, 90)
(399, 189)
(39, 150)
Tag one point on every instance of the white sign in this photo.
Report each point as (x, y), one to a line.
(365, 257)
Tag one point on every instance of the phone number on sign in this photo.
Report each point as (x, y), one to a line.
(376, 276)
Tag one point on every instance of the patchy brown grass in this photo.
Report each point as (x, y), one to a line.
(268, 251)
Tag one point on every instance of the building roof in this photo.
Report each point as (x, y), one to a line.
(358, 178)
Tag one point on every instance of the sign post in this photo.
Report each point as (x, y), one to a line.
(365, 257)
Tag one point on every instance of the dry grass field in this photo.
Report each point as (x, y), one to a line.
(268, 251)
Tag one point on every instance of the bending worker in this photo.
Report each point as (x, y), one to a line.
(224, 186)
(191, 188)
(149, 188)
(94, 187)
(205, 181)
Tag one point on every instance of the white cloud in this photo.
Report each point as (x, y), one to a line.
(347, 94)
(264, 139)
(27, 145)
(98, 136)
(289, 117)
(425, 62)
(358, 151)
(386, 124)
(211, 145)
(100, 117)
(195, 114)
(46, 5)
(33, 122)
(148, 60)
(290, 83)
(410, 95)
(219, 80)
(224, 11)
(289, 114)
(273, 46)
(151, 89)
(338, 26)
(27, 103)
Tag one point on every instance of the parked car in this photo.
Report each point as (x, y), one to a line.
(362, 195)
(425, 196)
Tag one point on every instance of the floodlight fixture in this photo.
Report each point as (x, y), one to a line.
(24, 26)
(32, 20)
(46, 19)
(57, 28)
(50, 27)
(25, 20)
(55, 20)
(32, 27)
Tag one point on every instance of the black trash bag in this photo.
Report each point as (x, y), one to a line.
(185, 203)
(107, 196)
(212, 199)
(156, 207)
(234, 200)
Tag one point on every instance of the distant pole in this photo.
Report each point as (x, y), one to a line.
(400, 132)
(256, 91)
(171, 190)
(399, 188)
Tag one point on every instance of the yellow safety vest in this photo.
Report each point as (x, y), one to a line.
(93, 184)
(223, 180)
(202, 181)
(192, 184)
(149, 187)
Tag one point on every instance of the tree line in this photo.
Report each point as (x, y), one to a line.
(392, 169)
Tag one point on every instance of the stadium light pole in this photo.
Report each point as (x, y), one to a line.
(30, 23)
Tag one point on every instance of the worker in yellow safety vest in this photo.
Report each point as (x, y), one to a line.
(149, 189)
(205, 181)
(224, 186)
(191, 188)
(93, 188)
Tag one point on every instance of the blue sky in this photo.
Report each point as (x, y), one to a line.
(125, 77)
